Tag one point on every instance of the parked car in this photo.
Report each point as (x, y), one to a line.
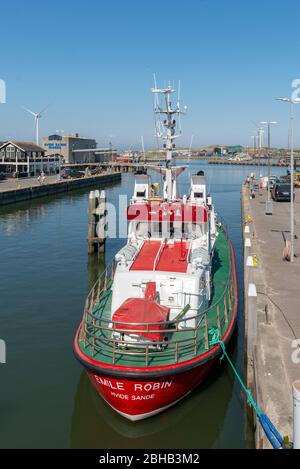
(273, 181)
(281, 191)
(95, 171)
(69, 173)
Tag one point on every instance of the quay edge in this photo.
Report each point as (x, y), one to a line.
(19, 195)
(271, 322)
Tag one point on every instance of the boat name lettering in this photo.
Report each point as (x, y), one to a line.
(119, 395)
(152, 386)
(118, 386)
(145, 397)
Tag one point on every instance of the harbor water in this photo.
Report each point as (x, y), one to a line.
(46, 400)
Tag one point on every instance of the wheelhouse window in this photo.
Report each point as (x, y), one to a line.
(167, 229)
(141, 193)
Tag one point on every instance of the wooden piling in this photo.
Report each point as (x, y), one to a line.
(100, 228)
(96, 222)
(91, 222)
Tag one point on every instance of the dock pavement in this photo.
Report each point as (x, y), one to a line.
(272, 318)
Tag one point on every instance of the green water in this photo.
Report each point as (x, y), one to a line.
(46, 400)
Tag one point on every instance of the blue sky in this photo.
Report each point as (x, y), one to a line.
(93, 62)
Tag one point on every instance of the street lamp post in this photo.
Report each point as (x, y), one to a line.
(269, 204)
(60, 155)
(291, 126)
(111, 146)
(259, 139)
(254, 143)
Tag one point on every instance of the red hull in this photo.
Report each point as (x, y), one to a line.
(137, 399)
(138, 393)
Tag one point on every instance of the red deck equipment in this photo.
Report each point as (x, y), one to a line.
(143, 310)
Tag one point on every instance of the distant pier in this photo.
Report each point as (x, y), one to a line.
(262, 162)
(272, 304)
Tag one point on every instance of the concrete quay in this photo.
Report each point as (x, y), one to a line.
(254, 162)
(13, 191)
(272, 310)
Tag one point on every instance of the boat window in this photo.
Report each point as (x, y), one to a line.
(155, 229)
(198, 195)
(166, 229)
(141, 193)
(194, 230)
(142, 229)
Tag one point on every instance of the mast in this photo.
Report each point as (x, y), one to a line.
(166, 130)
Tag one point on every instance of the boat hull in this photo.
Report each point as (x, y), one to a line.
(140, 398)
(139, 393)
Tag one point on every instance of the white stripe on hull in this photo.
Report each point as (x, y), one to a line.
(137, 417)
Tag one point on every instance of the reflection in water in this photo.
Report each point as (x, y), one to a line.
(96, 425)
(95, 267)
(16, 218)
(20, 220)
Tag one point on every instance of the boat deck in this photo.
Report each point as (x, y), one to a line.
(173, 257)
(146, 257)
(192, 342)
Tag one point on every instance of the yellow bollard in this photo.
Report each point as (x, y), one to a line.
(255, 260)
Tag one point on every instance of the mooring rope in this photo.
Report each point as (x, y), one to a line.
(270, 430)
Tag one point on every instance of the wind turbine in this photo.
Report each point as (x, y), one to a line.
(37, 116)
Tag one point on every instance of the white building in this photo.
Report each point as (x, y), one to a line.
(25, 159)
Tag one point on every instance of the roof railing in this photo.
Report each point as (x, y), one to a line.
(157, 257)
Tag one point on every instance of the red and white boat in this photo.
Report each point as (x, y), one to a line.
(144, 339)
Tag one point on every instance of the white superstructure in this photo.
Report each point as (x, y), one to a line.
(170, 238)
